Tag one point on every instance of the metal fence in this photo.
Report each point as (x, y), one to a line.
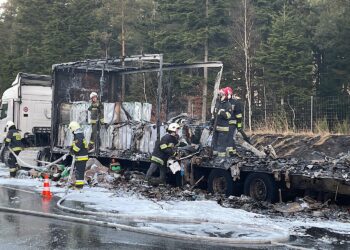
(315, 114)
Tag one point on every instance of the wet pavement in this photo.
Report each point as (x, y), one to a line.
(30, 232)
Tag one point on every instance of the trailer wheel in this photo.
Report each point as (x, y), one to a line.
(261, 187)
(220, 182)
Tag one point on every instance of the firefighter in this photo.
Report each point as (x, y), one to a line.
(220, 125)
(163, 149)
(14, 141)
(80, 150)
(96, 118)
(232, 122)
(238, 113)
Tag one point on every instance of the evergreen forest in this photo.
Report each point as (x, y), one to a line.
(284, 48)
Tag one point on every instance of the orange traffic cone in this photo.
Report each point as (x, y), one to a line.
(46, 192)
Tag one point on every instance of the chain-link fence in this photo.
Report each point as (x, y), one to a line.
(316, 114)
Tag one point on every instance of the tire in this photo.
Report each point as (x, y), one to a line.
(44, 155)
(261, 187)
(5, 156)
(220, 182)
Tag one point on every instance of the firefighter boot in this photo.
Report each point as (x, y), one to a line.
(232, 152)
(13, 172)
(145, 184)
(79, 184)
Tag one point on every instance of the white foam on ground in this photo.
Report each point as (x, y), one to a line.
(241, 223)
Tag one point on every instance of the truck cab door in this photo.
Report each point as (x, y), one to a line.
(6, 114)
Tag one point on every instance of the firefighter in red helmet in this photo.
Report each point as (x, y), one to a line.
(220, 124)
(237, 114)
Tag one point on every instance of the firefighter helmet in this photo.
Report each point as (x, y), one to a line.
(73, 126)
(222, 92)
(9, 124)
(173, 127)
(93, 94)
(229, 90)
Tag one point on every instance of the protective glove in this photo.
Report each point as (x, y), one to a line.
(222, 110)
(175, 153)
(195, 146)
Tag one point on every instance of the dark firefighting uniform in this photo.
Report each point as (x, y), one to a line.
(237, 115)
(234, 123)
(80, 150)
(14, 141)
(221, 116)
(96, 110)
(163, 149)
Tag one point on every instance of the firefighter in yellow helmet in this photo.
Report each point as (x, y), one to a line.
(163, 149)
(96, 118)
(80, 149)
(13, 140)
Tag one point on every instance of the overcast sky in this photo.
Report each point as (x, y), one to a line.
(1, 2)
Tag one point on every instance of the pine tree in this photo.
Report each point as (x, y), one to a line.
(67, 33)
(287, 56)
(331, 45)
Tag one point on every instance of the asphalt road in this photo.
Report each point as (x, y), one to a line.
(30, 232)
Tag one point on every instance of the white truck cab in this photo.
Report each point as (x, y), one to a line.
(28, 104)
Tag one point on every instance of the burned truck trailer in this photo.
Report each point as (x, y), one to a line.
(273, 179)
(135, 115)
(131, 127)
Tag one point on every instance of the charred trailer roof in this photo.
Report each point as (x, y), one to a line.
(73, 82)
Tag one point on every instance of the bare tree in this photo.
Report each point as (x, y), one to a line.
(205, 83)
(242, 37)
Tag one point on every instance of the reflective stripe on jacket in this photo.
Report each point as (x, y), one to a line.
(236, 113)
(96, 110)
(80, 146)
(164, 149)
(14, 140)
(223, 113)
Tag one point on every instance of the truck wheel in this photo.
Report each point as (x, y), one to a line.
(5, 156)
(261, 187)
(44, 155)
(220, 182)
